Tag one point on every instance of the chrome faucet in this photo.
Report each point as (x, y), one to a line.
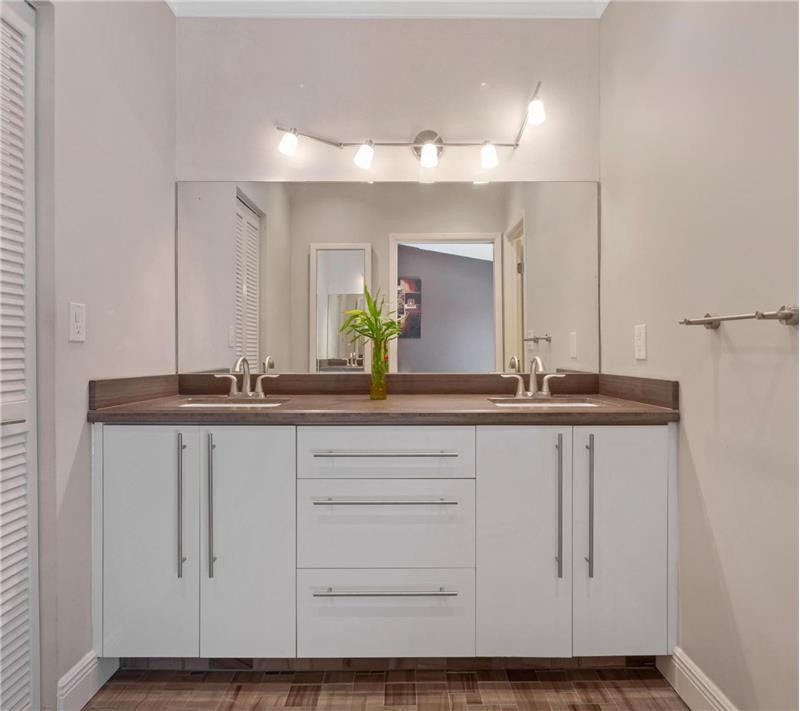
(536, 367)
(243, 366)
(546, 386)
(269, 363)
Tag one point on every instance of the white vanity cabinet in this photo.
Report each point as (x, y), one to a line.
(247, 542)
(198, 541)
(388, 541)
(150, 541)
(622, 544)
(524, 541)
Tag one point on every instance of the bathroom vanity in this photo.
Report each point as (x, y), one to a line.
(429, 525)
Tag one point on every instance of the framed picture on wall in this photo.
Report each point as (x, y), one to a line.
(409, 306)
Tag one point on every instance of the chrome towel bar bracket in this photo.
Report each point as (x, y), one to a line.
(787, 315)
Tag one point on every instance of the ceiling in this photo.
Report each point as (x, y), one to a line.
(391, 9)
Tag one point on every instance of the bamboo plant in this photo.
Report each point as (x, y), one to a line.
(372, 324)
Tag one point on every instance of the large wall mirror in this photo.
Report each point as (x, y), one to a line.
(481, 277)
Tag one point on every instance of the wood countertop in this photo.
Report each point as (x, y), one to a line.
(406, 409)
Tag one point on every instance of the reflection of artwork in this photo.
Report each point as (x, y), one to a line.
(409, 306)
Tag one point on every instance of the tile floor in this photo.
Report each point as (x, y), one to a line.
(401, 690)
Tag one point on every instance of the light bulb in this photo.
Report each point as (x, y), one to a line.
(536, 114)
(429, 155)
(488, 156)
(288, 144)
(363, 156)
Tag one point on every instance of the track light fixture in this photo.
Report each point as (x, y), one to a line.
(427, 146)
(364, 155)
(288, 144)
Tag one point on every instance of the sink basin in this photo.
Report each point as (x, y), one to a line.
(232, 403)
(542, 403)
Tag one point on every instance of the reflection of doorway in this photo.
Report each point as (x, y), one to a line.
(514, 295)
(446, 290)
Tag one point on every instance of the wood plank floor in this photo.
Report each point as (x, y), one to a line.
(400, 690)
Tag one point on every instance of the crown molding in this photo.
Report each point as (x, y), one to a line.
(391, 9)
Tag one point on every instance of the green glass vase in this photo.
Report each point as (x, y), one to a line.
(380, 364)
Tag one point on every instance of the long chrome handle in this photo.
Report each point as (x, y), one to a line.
(590, 557)
(211, 557)
(181, 557)
(560, 554)
(341, 454)
(367, 501)
(333, 592)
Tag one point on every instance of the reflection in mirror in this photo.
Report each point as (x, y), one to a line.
(449, 303)
(338, 276)
(484, 277)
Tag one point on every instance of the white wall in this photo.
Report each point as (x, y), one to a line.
(383, 79)
(357, 212)
(206, 272)
(561, 270)
(699, 213)
(106, 238)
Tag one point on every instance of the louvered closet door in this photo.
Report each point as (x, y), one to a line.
(247, 233)
(19, 668)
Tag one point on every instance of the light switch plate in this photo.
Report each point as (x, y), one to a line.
(640, 341)
(77, 322)
(573, 344)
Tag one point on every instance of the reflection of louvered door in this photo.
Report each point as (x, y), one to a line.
(19, 668)
(247, 231)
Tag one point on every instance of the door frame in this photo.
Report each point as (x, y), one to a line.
(493, 238)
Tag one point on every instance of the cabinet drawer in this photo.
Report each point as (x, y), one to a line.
(380, 452)
(387, 523)
(386, 613)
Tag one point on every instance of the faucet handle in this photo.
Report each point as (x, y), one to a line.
(259, 387)
(546, 385)
(234, 391)
(520, 383)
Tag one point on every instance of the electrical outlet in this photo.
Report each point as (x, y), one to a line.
(77, 322)
(573, 344)
(640, 341)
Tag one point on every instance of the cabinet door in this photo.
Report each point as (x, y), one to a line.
(524, 522)
(247, 576)
(620, 508)
(150, 541)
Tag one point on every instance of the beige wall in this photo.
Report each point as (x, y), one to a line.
(106, 239)
(699, 213)
(383, 79)
(357, 212)
(561, 270)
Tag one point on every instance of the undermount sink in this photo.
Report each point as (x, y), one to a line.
(542, 402)
(232, 403)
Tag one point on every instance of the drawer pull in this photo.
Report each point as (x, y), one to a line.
(333, 592)
(334, 454)
(367, 501)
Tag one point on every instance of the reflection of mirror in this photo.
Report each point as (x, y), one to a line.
(481, 273)
(338, 274)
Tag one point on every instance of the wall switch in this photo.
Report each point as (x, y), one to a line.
(573, 344)
(640, 341)
(231, 336)
(77, 322)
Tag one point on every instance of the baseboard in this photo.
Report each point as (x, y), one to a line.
(83, 681)
(698, 692)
